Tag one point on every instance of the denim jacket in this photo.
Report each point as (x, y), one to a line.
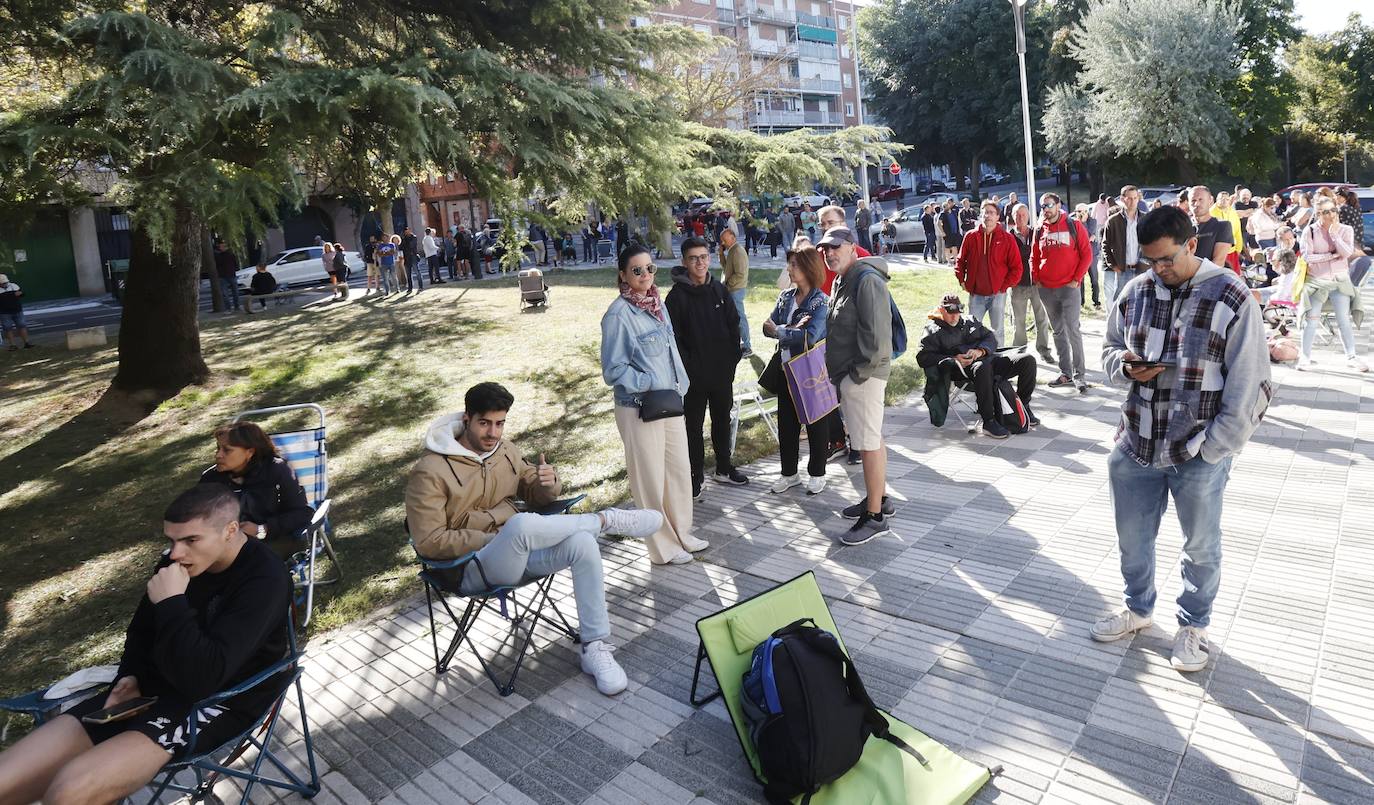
(794, 339)
(639, 353)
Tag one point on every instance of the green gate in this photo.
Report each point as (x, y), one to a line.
(49, 268)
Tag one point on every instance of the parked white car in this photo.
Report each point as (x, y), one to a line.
(816, 200)
(301, 266)
(910, 232)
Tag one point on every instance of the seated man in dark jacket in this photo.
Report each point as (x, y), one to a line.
(262, 284)
(706, 323)
(274, 506)
(214, 615)
(961, 350)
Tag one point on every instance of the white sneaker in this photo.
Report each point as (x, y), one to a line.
(785, 483)
(1304, 363)
(692, 544)
(597, 661)
(680, 558)
(815, 484)
(1122, 624)
(1190, 649)
(1355, 363)
(639, 523)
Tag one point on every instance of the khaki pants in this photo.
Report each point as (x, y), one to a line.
(660, 476)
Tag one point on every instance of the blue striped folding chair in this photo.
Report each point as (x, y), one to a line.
(204, 763)
(306, 451)
(440, 576)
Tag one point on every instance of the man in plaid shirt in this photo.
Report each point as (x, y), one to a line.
(1187, 338)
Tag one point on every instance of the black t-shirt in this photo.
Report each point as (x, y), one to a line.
(1212, 232)
(1241, 206)
(227, 627)
(9, 299)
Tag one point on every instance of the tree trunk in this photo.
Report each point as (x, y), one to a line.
(384, 216)
(207, 269)
(159, 336)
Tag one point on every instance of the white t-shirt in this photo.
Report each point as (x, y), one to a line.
(430, 247)
(1132, 239)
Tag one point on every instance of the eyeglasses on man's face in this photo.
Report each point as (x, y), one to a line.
(1165, 263)
(704, 257)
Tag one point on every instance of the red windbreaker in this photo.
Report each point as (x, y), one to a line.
(1058, 258)
(990, 272)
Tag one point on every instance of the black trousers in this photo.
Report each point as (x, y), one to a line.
(1021, 368)
(720, 398)
(435, 261)
(789, 437)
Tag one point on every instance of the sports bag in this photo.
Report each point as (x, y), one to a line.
(1011, 412)
(808, 713)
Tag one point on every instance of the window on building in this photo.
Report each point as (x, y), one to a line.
(849, 110)
(844, 51)
(702, 28)
(844, 22)
(848, 81)
(119, 222)
(815, 9)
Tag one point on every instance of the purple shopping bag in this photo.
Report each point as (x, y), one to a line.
(813, 394)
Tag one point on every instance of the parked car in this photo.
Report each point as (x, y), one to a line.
(1366, 196)
(937, 186)
(887, 192)
(910, 233)
(816, 200)
(1311, 187)
(296, 267)
(1167, 194)
(992, 178)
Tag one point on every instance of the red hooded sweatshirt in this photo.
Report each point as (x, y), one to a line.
(1058, 259)
(989, 263)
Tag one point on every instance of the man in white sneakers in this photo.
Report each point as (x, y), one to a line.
(460, 499)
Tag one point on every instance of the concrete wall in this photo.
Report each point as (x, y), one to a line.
(90, 274)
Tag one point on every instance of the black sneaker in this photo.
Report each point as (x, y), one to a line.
(734, 476)
(837, 449)
(868, 527)
(994, 429)
(696, 491)
(1082, 388)
(1032, 419)
(854, 458)
(852, 512)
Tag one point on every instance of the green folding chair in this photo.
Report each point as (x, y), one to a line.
(884, 775)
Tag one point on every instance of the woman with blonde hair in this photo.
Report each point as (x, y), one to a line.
(1328, 246)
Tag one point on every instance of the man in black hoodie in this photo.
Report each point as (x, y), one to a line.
(965, 351)
(706, 324)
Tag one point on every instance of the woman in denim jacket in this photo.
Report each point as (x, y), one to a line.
(798, 321)
(639, 354)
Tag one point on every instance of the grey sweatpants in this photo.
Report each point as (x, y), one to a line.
(1021, 295)
(1063, 306)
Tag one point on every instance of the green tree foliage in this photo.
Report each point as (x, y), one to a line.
(943, 75)
(1333, 108)
(1260, 98)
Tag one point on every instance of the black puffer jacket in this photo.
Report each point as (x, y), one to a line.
(942, 340)
(270, 496)
(707, 328)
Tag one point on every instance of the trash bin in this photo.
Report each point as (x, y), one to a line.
(116, 272)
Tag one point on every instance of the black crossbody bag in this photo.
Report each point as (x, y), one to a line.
(657, 404)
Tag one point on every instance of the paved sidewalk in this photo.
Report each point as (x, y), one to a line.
(971, 624)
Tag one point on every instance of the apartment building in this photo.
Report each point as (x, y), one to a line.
(803, 49)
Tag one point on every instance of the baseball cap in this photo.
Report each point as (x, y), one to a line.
(835, 236)
(952, 303)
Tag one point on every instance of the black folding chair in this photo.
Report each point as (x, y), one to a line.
(441, 578)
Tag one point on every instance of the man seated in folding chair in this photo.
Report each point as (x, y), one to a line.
(214, 615)
(960, 350)
(460, 499)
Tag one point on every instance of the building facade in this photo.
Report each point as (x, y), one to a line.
(802, 49)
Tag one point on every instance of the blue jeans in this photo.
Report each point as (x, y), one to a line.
(1340, 303)
(1114, 281)
(230, 292)
(529, 546)
(738, 296)
(1139, 497)
(995, 306)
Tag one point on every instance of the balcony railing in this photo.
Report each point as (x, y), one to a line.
(774, 117)
(817, 50)
(725, 16)
(823, 118)
(788, 82)
(774, 48)
(769, 13)
(821, 85)
(812, 19)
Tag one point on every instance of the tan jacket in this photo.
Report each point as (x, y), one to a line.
(456, 500)
(735, 261)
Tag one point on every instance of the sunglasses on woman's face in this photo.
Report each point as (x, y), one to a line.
(640, 271)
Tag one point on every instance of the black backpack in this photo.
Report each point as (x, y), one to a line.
(1011, 412)
(809, 715)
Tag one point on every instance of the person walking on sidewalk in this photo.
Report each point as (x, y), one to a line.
(706, 326)
(1060, 256)
(227, 269)
(1189, 411)
(988, 264)
(12, 314)
(735, 262)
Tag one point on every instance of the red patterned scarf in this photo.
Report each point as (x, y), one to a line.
(649, 302)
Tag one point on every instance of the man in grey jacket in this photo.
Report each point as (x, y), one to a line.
(858, 357)
(1188, 339)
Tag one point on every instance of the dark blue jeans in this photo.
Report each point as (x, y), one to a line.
(230, 292)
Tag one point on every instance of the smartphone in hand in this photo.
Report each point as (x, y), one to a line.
(120, 711)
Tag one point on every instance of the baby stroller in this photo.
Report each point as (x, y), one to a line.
(534, 292)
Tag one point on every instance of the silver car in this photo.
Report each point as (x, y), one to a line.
(301, 266)
(910, 232)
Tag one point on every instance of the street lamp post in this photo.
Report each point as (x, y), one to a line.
(858, 90)
(1345, 164)
(1018, 9)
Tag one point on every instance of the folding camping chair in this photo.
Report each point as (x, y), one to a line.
(201, 761)
(749, 393)
(884, 775)
(534, 292)
(434, 573)
(306, 451)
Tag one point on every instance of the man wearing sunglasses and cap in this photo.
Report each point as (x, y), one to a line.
(959, 349)
(858, 357)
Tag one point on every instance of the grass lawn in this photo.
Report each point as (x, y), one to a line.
(82, 489)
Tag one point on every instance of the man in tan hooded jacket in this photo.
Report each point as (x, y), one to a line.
(460, 500)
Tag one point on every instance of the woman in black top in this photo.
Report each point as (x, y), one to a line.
(1348, 212)
(272, 502)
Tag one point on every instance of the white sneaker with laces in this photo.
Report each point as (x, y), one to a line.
(1123, 624)
(692, 544)
(1304, 363)
(597, 661)
(1355, 363)
(785, 483)
(815, 484)
(638, 523)
(680, 558)
(1191, 651)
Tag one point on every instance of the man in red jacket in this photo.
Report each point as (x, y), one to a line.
(989, 263)
(1060, 256)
